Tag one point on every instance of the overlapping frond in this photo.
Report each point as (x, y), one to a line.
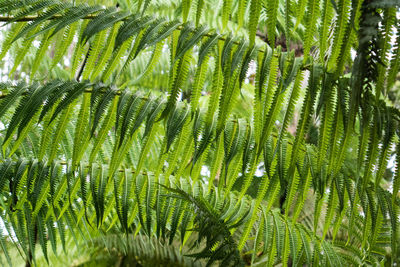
(96, 151)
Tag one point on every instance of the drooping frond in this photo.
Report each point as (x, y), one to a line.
(259, 142)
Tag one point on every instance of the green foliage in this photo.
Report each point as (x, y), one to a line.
(125, 131)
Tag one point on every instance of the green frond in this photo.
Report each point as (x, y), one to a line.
(62, 44)
(341, 25)
(313, 8)
(40, 19)
(226, 11)
(93, 54)
(102, 21)
(179, 128)
(300, 11)
(255, 10)
(326, 19)
(394, 63)
(272, 13)
(8, 5)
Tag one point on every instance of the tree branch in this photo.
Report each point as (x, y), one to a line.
(31, 18)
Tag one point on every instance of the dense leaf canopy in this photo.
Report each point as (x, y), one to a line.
(194, 132)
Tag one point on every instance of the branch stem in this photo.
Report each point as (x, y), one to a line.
(32, 18)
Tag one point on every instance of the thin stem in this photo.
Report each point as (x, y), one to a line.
(78, 77)
(32, 18)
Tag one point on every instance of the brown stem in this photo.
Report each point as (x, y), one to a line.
(83, 65)
(31, 18)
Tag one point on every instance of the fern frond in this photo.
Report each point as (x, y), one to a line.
(313, 8)
(272, 13)
(326, 20)
(255, 10)
(102, 21)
